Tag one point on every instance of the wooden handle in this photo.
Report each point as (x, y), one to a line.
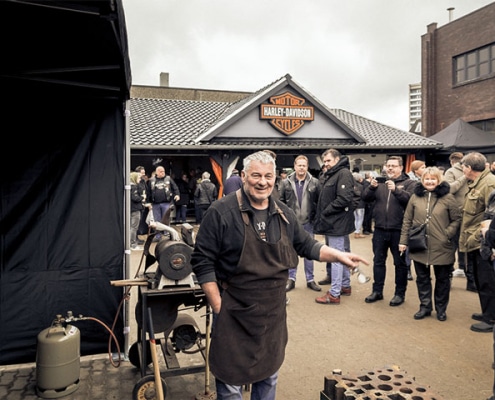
(130, 282)
(156, 370)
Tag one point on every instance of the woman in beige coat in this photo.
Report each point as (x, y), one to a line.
(432, 199)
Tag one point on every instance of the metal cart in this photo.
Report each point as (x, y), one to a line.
(181, 333)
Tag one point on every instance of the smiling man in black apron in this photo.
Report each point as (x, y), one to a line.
(243, 250)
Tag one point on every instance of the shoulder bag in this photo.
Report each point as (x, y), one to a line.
(418, 238)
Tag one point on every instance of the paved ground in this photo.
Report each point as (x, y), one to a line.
(446, 357)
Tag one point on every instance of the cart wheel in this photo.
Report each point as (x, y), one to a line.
(134, 354)
(145, 389)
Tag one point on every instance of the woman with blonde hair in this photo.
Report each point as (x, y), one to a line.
(432, 204)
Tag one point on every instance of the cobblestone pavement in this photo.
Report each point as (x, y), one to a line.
(448, 358)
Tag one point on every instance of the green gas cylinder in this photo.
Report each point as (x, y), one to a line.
(58, 360)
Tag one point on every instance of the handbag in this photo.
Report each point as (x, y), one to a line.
(418, 238)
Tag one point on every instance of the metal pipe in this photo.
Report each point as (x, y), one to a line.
(127, 224)
(451, 13)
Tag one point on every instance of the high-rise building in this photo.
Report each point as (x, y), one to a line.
(414, 105)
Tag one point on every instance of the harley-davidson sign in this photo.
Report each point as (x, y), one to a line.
(287, 112)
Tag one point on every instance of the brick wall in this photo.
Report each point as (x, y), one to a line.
(442, 102)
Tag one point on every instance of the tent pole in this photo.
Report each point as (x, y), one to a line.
(127, 224)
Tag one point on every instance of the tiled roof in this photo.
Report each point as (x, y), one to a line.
(158, 122)
(380, 135)
(177, 123)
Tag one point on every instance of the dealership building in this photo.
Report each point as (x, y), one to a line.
(184, 129)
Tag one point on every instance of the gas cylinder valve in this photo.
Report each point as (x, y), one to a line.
(60, 320)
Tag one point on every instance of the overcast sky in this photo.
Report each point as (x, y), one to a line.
(357, 55)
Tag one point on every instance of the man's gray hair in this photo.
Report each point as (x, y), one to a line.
(357, 176)
(475, 160)
(261, 156)
(206, 175)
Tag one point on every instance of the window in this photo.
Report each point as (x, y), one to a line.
(487, 125)
(479, 63)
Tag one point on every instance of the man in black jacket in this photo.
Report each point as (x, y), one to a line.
(335, 220)
(163, 191)
(391, 198)
(205, 194)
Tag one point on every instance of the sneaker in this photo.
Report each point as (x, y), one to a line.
(328, 299)
(137, 248)
(346, 291)
(459, 273)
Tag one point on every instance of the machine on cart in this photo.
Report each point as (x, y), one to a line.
(164, 322)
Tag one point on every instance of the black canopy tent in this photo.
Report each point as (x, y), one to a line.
(65, 80)
(461, 136)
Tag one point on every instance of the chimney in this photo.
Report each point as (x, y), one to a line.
(451, 13)
(164, 79)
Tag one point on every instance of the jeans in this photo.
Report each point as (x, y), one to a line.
(308, 264)
(341, 276)
(368, 217)
(347, 249)
(358, 219)
(134, 225)
(181, 213)
(201, 211)
(383, 240)
(159, 211)
(262, 390)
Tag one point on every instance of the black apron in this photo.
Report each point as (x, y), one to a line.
(250, 333)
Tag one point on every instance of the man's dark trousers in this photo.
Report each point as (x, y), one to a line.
(383, 240)
(484, 279)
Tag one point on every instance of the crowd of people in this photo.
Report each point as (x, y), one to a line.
(154, 198)
(249, 242)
